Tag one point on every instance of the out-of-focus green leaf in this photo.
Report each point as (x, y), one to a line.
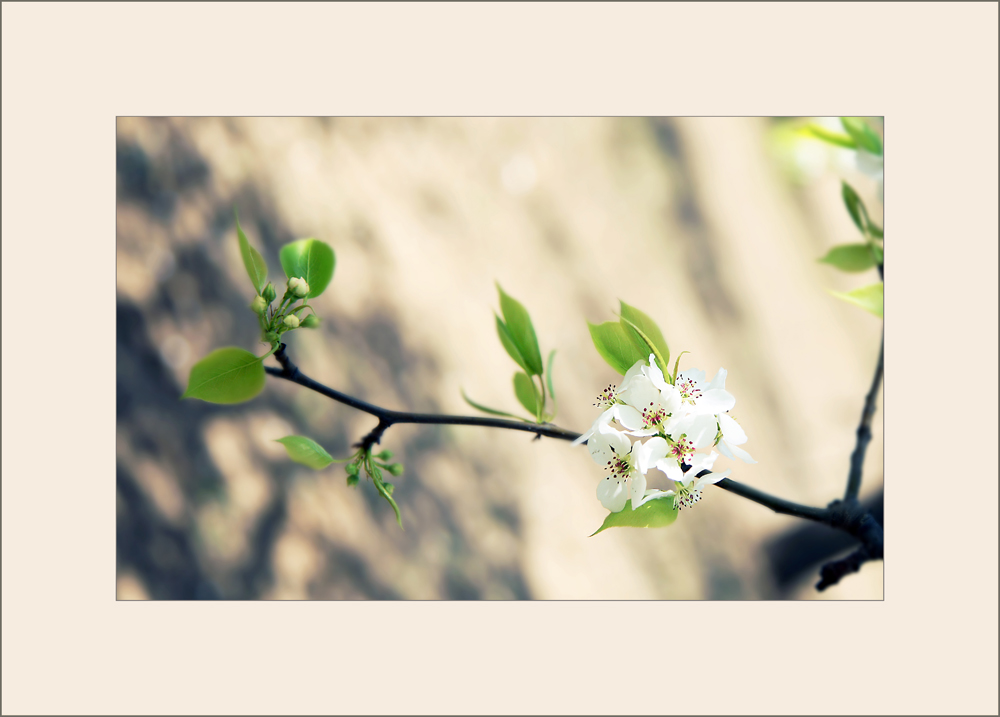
(855, 207)
(850, 257)
(863, 135)
(868, 298)
(835, 138)
(655, 513)
(306, 451)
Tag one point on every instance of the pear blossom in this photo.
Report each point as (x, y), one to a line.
(298, 286)
(733, 436)
(687, 485)
(626, 464)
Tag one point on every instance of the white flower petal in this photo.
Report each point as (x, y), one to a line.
(701, 462)
(711, 478)
(637, 489)
(671, 468)
(739, 453)
(702, 430)
(716, 401)
(612, 494)
(731, 431)
(651, 452)
(694, 375)
(719, 381)
(724, 449)
(628, 417)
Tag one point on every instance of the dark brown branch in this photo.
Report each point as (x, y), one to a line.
(864, 432)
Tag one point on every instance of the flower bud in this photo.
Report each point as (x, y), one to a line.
(352, 480)
(352, 469)
(298, 286)
(396, 469)
(389, 488)
(292, 321)
(269, 293)
(311, 321)
(258, 305)
(271, 336)
(384, 455)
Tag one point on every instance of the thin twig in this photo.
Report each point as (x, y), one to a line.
(387, 418)
(864, 431)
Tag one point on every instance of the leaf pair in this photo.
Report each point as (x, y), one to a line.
(517, 335)
(630, 339)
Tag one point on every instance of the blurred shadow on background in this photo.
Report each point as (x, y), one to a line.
(167, 477)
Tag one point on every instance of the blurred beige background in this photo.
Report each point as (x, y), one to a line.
(698, 222)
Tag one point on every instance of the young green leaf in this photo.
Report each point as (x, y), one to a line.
(835, 138)
(487, 409)
(311, 259)
(621, 348)
(648, 331)
(508, 343)
(868, 298)
(855, 207)
(252, 260)
(527, 394)
(521, 332)
(548, 374)
(306, 451)
(387, 494)
(863, 135)
(655, 513)
(850, 257)
(228, 375)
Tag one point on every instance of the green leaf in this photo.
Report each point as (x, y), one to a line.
(521, 332)
(863, 135)
(486, 409)
(508, 343)
(311, 259)
(874, 229)
(655, 513)
(252, 260)
(868, 298)
(855, 207)
(619, 346)
(850, 257)
(835, 138)
(228, 375)
(527, 394)
(387, 494)
(548, 374)
(879, 255)
(648, 331)
(306, 451)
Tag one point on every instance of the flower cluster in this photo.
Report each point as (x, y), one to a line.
(679, 415)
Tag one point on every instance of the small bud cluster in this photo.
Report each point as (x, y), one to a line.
(276, 320)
